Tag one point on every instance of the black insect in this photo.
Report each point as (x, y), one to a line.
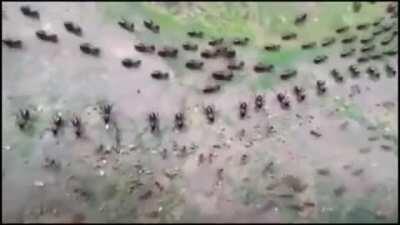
(57, 124)
(348, 53)
(367, 40)
(363, 26)
(378, 21)
(388, 27)
(242, 110)
(194, 64)
(387, 39)
(283, 100)
(315, 133)
(243, 159)
(195, 34)
(149, 24)
(309, 45)
(154, 122)
(235, 65)
(157, 74)
(208, 53)
(179, 120)
(363, 59)
(321, 88)
(356, 7)
(367, 48)
(300, 93)
(22, 118)
(106, 112)
(349, 40)
(12, 43)
(42, 35)
(373, 72)
(376, 56)
(261, 67)
(289, 36)
(390, 52)
(300, 19)
(390, 71)
(188, 46)
(226, 52)
(320, 59)
(89, 49)
(288, 74)
(211, 89)
(272, 47)
(343, 29)
(210, 114)
(216, 41)
(336, 75)
(225, 75)
(259, 102)
(354, 70)
(129, 63)
(240, 41)
(168, 52)
(73, 28)
(76, 123)
(141, 47)
(328, 41)
(377, 31)
(127, 25)
(27, 11)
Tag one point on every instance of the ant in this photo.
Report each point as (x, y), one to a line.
(129, 63)
(27, 11)
(73, 28)
(242, 110)
(154, 122)
(12, 43)
(42, 35)
(259, 102)
(151, 26)
(210, 113)
(127, 26)
(179, 120)
(89, 49)
(76, 123)
(211, 89)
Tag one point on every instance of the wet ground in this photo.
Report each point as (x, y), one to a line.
(332, 157)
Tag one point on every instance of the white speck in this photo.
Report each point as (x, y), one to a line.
(38, 183)
(283, 19)
(107, 126)
(7, 148)
(387, 129)
(104, 161)
(337, 98)
(315, 19)
(374, 164)
(101, 172)
(47, 26)
(59, 114)
(276, 209)
(40, 108)
(160, 209)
